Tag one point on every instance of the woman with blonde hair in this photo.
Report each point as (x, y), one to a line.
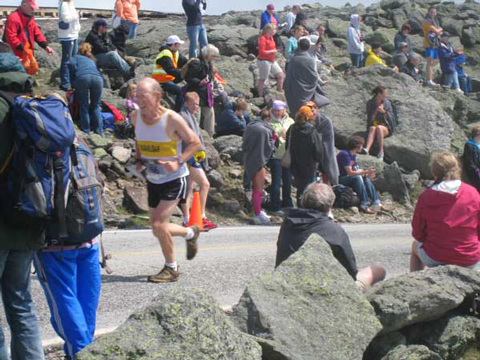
(88, 84)
(445, 224)
(267, 50)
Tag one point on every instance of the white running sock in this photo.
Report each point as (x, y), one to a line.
(190, 234)
(172, 265)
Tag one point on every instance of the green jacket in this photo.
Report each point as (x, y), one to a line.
(14, 238)
(281, 126)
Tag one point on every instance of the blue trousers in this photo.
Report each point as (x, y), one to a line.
(363, 187)
(196, 34)
(71, 282)
(280, 176)
(358, 60)
(465, 84)
(451, 80)
(90, 86)
(176, 90)
(69, 49)
(111, 60)
(133, 29)
(26, 341)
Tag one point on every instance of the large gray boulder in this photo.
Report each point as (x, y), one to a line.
(422, 296)
(181, 324)
(412, 352)
(308, 308)
(230, 145)
(424, 127)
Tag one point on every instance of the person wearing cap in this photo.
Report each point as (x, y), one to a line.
(196, 31)
(68, 36)
(448, 58)
(280, 122)
(269, 17)
(290, 18)
(127, 10)
(301, 20)
(105, 52)
(21, 29)
(400, 57)
(167, 69)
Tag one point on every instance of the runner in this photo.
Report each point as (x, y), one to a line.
(159, 135)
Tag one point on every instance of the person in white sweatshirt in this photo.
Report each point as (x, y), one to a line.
(68, 28)
(356, 46)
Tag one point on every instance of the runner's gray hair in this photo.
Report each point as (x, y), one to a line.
(318, 196)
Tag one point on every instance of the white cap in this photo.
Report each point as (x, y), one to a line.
(174, 39)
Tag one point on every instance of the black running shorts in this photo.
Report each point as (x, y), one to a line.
(169, 191)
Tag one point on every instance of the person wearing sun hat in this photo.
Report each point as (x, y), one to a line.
(21, 28)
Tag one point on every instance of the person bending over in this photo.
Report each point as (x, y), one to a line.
(312, 218)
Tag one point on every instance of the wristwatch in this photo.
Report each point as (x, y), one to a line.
(180, 161)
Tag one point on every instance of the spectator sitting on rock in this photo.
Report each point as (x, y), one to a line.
(431, 31)
(374, 55)
(400, 57)
(88, 84)
(119, 37)
(381, 120)
(306, 149)
(301, 20)
(105, 52)
(464, 80)
(280, 122)
(471, 158)
(197, 174)
(8, 61)
(292, 42)
(258, 146)
(167, 69)
(410, 67)
(290, 18)
(402, 37)
(312, 218)
(319, 51)
(199, 78)
(233, 120)
(356, 45)
(130, 103)
(448, 58)
(359, 180)
(445, 223)
(127, 10)
(302, 83)
(266, 62)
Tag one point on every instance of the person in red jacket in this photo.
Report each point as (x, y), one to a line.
(21, 28)
(446, 221)
(266, 59)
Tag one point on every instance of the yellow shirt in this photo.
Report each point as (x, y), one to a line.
(373, 59)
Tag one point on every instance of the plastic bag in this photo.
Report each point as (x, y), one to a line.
(28, 60)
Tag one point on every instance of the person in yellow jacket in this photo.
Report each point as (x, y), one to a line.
(374, 56)
(167, 69)
(431, 33)
(127, 10)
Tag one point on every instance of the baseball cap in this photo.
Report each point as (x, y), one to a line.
(279, 105)
(270, 7)
(32, 3)
(174, 39)
(100, 22)
(403, 44)
(445, 34)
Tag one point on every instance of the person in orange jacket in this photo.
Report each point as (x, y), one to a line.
(127, 10)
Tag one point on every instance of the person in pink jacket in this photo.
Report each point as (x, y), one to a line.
(127, 10)
(446, 221)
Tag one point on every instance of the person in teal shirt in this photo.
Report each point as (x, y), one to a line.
(292, 43)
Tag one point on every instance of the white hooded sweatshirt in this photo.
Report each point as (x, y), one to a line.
(354, 36)
(68, 14)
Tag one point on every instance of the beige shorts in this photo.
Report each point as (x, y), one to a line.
(266, 67)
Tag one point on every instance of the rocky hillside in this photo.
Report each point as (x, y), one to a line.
(430, 119)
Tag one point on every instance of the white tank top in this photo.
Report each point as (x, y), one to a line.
(155, 144)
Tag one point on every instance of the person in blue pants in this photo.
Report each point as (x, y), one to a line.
(70, 278)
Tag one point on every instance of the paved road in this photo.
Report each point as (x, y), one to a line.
(228, 258)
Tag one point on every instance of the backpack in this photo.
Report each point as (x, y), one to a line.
(39, 172)
(84, 212)
(117, 115)
(345, 197)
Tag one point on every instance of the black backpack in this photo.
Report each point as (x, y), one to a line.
(345, 197)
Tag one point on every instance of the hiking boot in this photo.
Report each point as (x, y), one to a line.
(364, 151)
(166, 275)
(192, 246)
(208, 225)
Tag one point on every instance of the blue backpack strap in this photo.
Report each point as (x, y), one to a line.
(59, 198)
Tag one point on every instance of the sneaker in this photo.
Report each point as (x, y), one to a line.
(430, 84)
(166, 275)
(380, 155)
(192, 246)
(364, 151)
(261, 219)
(208, 225)
(459, 90)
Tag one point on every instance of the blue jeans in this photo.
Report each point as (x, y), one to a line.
(280, 175)
(133, 29)
(176, 90)
(451, 80)
(357, 60)
(71, 282)
(364, 189)
(90, 116)
(26, 341)
(196, 34)
(69, 49)
(465, 84)
(111, 60)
